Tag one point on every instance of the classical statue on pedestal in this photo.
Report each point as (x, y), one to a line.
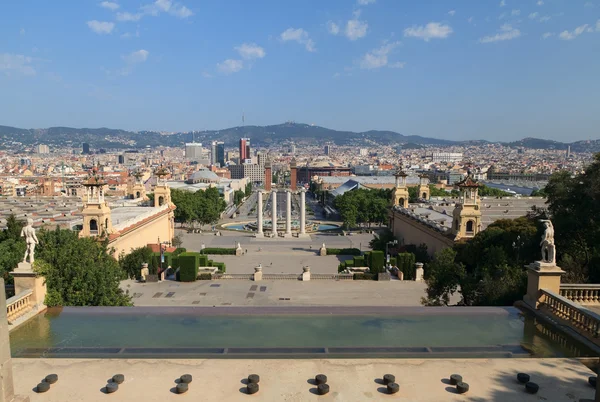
(547, 243)
(28, 232)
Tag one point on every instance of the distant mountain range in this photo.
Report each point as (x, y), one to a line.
(300, 134)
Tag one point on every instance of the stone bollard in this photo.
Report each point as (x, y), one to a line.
(305, 274)
(258, 273)
(238, 250)
(400, 275)
(323, 250)
(419, 272)
(144, 272)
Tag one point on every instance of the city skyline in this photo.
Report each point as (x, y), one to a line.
(499, 70)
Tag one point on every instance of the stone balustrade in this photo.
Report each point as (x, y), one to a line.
(19, 305)
(584, 294)
(566, 310)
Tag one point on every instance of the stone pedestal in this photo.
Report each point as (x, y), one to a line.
(257, 274)
(322, 251)
(144, 272)
(400, 275)
(419, 272)
(259, 214)
(26, 279)
(541, 275)
(305, 274)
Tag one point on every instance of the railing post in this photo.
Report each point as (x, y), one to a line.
(541, 276)
(6, 380)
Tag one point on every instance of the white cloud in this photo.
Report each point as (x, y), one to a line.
(250, 51)
(139, 56)
(451, 13)
(110, 5)
(298, 35)
(365, 2)
(355, 28)
(17, 64)
(507, 32)
(206, 75)
(124, 17)
(22, 31)
(502, 3)
(589, 4)
(540, 2)
(397, 64)
(515, 12)
(101, 27)
(230, 66)
(378, 58)
(547, 35)
(545, 18)
(433, 30)
(598, 25)
(566, 35)
(533, 16)
(333, 28)
(470, 20)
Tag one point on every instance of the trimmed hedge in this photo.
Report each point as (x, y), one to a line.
(220, 265)
(406, 264)
(202, 261)
(359, 261)
(188, 267)
(343, 251)
(364, 277)
(205, 277)
(218, 251)
(377, 261)
(179, 251)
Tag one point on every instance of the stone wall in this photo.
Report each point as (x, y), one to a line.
(410, 231)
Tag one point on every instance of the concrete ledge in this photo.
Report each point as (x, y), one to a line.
(560, 380)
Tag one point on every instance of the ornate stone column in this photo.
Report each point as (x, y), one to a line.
(259, 214)
(288, 214)
(302, 213)
(274, 213)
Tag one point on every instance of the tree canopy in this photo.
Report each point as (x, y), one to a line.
(78, 271)
(204, 207)
(12, 247)
(363, 206)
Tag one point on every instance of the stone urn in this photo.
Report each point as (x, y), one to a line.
(258, 269)
(305, 269)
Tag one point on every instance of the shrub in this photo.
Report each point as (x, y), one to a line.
(218, 251)
(406, 264)
(202, 261)
(178, 251)
(341, 267)
(359, 262)
(343, 251)
(220, 266)
(205, 277)
(349, 263)
(377, 261)
(188, 266)
(364, 277)
(393, 261)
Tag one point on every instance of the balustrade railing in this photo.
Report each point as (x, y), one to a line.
(584, 294)
(18, 305)
(571, 312)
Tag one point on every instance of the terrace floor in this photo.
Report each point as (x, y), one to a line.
(490, 380)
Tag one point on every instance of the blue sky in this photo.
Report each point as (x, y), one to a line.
(496, 70)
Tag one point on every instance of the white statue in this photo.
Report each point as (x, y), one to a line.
(547, 243)
(239, 246)
(29, 233)
(323, 246)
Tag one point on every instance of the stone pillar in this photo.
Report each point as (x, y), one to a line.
(257, 273)
(274, 213)
(288, 214)
(306, 273)
(302, 213)
(259, 212)
(541, 275)
(419, 272)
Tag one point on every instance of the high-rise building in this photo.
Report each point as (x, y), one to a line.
(121, 159)
(217, 153)
(85, 148)
(293, 175)
(327, 149)
(193, 150)
(245, 149)
(42, 149)
(363, 152)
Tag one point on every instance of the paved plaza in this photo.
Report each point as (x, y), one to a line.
(350, 380)
(236, 292)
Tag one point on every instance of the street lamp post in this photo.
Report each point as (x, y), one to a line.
(387, 255)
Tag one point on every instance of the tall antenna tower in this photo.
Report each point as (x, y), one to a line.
(243, 118)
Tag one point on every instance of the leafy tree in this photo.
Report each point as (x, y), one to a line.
(204, 207)
(78, 271)
(443, 278)
(132, 262)
(238, 197)
(177, 241)
(363, 206)
(485, 191)
(12, 247)
(378, 242)
(248, 189)
(539, 193)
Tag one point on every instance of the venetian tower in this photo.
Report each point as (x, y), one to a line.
(96, 213)
(467, 213)
(400, 192)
